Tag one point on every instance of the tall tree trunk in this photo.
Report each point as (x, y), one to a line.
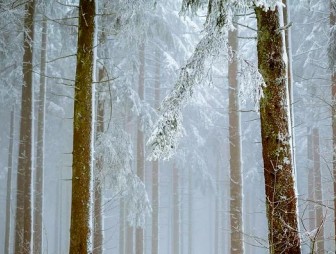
(82, 178)
(311, 185)
(281, 199)
(9, 182)
(38, 202)
(139, 242)
(236, 187)
(176, 211)
(333, 109)
(217, 209)
(155, 166)
(98, 220)
(23, 229)
(318, 192)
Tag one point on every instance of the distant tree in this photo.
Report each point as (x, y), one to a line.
(39, 174)
(82, 167)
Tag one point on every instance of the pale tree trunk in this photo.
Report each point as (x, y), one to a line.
(190, 212)
(176, 211)
(311, 185)
(82, 178)
(217, 209)
(155, 166)
(236, 188)
(98, 188)
(281, 200)
(139, 242)
(38, 202)
(122, 227)
(23, 225)
(333, 110)
(9, 183)
(318, 192)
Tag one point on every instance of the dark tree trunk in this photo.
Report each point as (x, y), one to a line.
(82, 179)
(281, 200)
(38, 203)
(236, 191)
(23, 232)
(9, 183)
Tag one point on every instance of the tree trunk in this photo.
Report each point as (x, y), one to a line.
(98, 213)
(139, 242)
(176, 211)
(190, 212)
(280, 192)
(82, 179)
(23, 230)
(318, 192)
(217, 209)
(155, 166)
(311, 185)
(236, 195)
(333, 111)
(9, 183)
(38, 203)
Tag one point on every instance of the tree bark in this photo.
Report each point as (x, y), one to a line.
(333, 111)
(9, 182)
(82, 179)
(281, 198)
(155, 166)
(139, 242)
(38, 203)
(98, 213)
(23, 230)
(190, 212)
(311, 185)
(236, 195)
(318, 192)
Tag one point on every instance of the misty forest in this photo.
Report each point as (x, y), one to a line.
(167, 126)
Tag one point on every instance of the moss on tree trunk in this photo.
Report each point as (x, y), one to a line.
(274, 113)
(80, 231)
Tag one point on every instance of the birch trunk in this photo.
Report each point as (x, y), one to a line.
(23, 225)
(281, 200)
(82, 179)
(176, 212)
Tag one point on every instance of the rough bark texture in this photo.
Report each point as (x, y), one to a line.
(236, 195)
(38, 202)
(176, 212)
(318, 192)
(276, 144)
(139, 242)
(80, 231)
(23, 230)
(333, 113)
(98, 213)
(9, 183)
(155, 167)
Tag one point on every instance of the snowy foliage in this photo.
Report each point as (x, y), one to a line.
(114, 152)
(168, 131)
